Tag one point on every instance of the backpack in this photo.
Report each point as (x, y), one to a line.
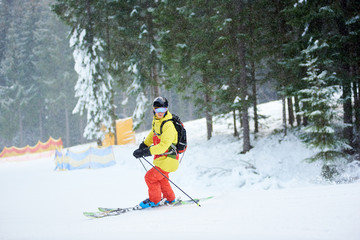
(179, 126)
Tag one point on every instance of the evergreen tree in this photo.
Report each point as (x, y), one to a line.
(345, 42)
(93, 87)
(5, 101)
(55, 78)
(234, 37)
(333, 22)
(17, 68)
(137, 54)
(319, 105)
(5, 6)
(95, 84)
(192, 52)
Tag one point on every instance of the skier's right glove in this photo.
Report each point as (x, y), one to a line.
(142, 152)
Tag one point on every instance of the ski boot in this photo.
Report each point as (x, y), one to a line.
(147, 203)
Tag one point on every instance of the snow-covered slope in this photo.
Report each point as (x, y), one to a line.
(268, 193)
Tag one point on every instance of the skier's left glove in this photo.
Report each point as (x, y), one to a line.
(145, 152)
(142, 145)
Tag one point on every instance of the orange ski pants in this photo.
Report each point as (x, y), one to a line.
(158, 185)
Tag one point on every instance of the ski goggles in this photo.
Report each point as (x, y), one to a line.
(160, 110)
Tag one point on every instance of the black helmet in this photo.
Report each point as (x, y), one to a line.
(160, 102)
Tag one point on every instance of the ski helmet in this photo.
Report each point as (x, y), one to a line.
(160, 102)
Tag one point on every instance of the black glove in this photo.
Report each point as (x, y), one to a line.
(142, 145)
(145, 152)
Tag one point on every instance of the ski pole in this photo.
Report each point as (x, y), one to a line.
(143, 165)
(171, 182)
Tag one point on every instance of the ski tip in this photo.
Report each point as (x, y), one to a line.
(89, 214)
(103, 209)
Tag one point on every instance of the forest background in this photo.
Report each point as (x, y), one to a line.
(68, 67)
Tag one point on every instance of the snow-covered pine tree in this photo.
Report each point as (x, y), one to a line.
(89, 38)
(94, 85)
(319, 102)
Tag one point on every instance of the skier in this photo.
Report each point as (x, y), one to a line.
(166, 158)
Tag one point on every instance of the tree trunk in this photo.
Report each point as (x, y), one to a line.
(240, 118)
(81, 127)
(357, 102)
(246, 131)
(252, 66)
(154, 76)
(236, 134)
(305, 121)
(209, 126)
(291, 111)
(356, 93)
(284, 114)
(243, 90)
(208, 108)
(347, 106)
(241, 53)
(297, 109)
(254, 93)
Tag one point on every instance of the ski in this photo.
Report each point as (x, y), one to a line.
(176, 203)
(187, 202)
(107, 212)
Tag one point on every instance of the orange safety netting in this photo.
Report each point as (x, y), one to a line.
(51, 144)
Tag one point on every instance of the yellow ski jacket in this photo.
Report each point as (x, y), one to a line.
(160, 144)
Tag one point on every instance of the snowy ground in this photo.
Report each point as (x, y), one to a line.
(269, 193)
